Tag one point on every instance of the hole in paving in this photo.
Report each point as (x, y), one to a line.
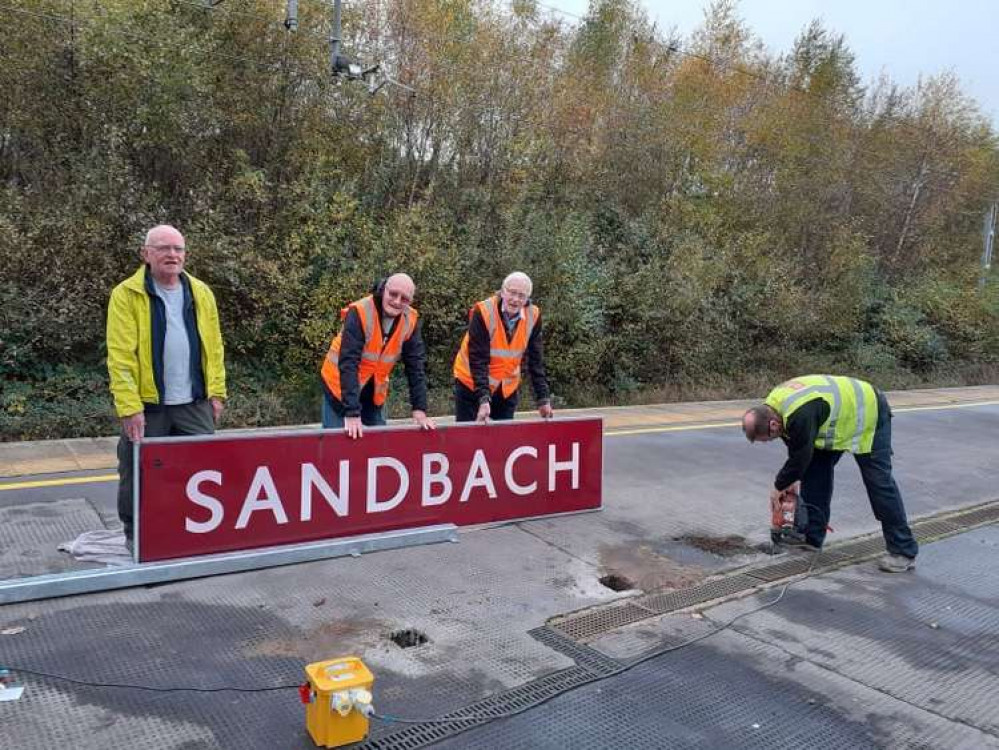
(616, 582)
(408, 638)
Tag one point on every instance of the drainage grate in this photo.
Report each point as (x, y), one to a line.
(781, 570)
(669, 601)
(584, 656)
(987, 514)
(600, 620)
(495, 706)
(934, 528)
(863, 548)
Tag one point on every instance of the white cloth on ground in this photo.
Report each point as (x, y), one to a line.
(103, 546)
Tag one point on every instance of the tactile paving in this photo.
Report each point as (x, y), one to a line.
(686, 699)
(31, 533)
(583, 655)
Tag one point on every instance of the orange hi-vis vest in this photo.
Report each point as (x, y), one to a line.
(377, 360)
(504, 355)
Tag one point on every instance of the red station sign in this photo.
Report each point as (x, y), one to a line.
(203, 495)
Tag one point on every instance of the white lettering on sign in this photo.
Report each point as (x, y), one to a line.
(338, 501)
(432, 477)
(519, 489)
(478, 476)
(271, 500)
(437, 485)
(196, 496)
(380, 506)
(556, 466)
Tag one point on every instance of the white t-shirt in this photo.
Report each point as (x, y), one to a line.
(177, 386)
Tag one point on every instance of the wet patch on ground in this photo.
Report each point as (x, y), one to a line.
(316, 644)
(647, 570)
(712, 553)
(725, 546)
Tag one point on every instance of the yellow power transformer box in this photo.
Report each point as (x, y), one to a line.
(336, 692)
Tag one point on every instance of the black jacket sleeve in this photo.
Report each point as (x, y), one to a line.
(536, 364)
(478, 354)
(414, 357)
(799, 434)
(351, 347)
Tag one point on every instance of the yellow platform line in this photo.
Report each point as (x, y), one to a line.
(669, 428)
(59, 482)
(612, 432)
(938, 407)
(97, 479)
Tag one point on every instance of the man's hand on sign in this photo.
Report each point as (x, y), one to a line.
(352, 426)
(545, 410)
(134, 426)
(217, 407)
(423, 421)
(483, 416)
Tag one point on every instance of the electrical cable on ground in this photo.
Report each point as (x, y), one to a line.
(473, 718)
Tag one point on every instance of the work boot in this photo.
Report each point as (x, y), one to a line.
(896, 563)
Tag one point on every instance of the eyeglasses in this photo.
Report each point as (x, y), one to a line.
(395, 296)
(516, 295)
(179, 249)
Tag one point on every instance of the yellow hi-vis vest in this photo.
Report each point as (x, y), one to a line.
(504, 355)
(377, 359)
(853, 409)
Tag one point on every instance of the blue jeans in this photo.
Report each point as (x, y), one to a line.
(371, 415)
(882, 491)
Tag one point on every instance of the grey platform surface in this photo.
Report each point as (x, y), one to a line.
(30, 534)
(874, 676)
(850, 659)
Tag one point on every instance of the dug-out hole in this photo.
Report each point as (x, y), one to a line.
(617, 582)
(408, 638)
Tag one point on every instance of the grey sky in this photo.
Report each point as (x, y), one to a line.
(903, 38)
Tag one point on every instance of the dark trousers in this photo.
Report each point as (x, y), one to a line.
(195, 418)
(333, 418)
(882, 491)
(466, 404)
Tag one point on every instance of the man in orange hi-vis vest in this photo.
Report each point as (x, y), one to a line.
(378, 331)
(502, 331)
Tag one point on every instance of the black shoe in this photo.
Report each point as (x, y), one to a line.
(797, 540)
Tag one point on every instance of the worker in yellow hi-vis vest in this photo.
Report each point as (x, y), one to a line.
(820, 417)
(503, 331)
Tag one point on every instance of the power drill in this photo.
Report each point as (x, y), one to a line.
(782, 510)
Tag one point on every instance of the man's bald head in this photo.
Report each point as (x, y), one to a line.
(397, 294)
(761, 424)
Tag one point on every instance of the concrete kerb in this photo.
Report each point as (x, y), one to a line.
(88, 454)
